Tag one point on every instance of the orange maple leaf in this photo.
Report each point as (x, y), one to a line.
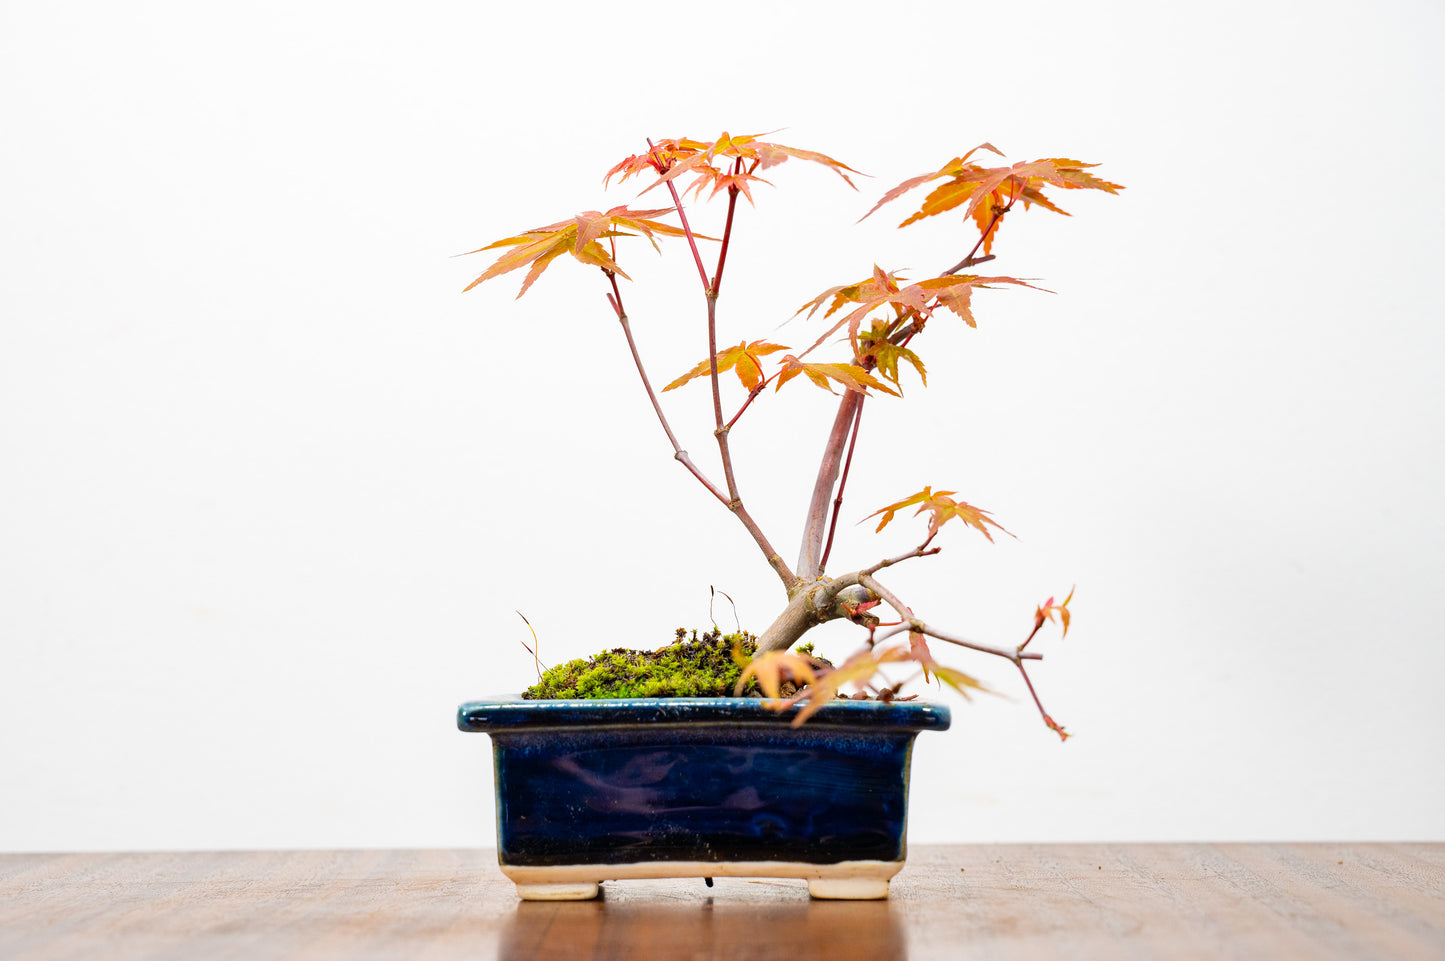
(876, 348)
(942, 508)
(955, 292)
(579, 236)
(1048, 609)
(742, 360)
(850, 376)
(919, 652)
(986, 192)
(909, 302)
(773, 668)
(859, 669)
(741, 156)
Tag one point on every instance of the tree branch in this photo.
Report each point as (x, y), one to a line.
(916, 552)
(615, 299)
(891, 599)
(722, 254)
(734, 500)
(810, 550)
(842, 483)
(691, 240)
(1014, 655)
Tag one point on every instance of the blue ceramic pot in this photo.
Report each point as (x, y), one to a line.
(593, 790)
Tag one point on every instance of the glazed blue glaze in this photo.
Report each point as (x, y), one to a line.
(699, 779)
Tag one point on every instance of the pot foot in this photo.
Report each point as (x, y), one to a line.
(584, 891)
(848, 889)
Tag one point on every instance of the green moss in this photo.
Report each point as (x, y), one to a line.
(700, 667)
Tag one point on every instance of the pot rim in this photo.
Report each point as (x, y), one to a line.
(511, 712)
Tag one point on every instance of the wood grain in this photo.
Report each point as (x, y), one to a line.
(1080, 901)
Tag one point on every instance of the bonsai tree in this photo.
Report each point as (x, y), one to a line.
(870, 335)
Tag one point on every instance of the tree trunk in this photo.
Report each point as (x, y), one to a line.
(818, 603)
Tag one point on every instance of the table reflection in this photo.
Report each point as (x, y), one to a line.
(744, 921)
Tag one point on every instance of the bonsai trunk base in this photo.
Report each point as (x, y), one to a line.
(843, 881)
(601, 790)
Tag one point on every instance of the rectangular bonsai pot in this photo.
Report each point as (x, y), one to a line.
(595, 790)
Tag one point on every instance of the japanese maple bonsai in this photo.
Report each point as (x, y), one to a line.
(879, 320)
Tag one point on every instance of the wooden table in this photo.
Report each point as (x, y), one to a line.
(1067, 901)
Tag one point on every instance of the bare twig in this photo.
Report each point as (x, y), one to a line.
(914, 625)
(919, 551)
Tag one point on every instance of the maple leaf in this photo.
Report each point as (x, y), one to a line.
(955, 292)
(914, 303)
(741, 156)
(742, 360)
(883, 289)
(951, 169)
(942, 508)
(987, 192)
(579, 236)
(885, 354)
(773, 668)
(858, 669)
(1048, 609)
(850, 376)
(959, 681)
(918, 651)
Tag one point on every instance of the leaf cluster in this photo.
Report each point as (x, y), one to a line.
(987, 193)
(727, 163)
(581, 236)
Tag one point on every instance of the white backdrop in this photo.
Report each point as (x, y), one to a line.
(272, 487)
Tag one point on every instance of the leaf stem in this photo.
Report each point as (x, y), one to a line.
(752, 395)
(970, 260)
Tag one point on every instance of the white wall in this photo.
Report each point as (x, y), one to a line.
(272, 487)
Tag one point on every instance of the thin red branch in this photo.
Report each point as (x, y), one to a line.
(615, 299)
(733, 499)
(1052, 724)
(970, 260)
(1037, 624)
(722, 255)
(691, 240)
